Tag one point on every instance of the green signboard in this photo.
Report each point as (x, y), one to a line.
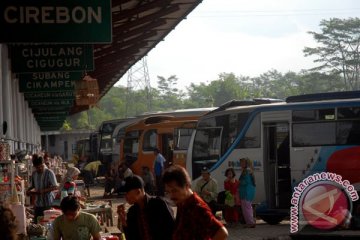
(44, 103)
(31, 58)
(44, 109)
(49, 95)
(45, 129)
(50, 76)
(59, 113)
(47, 85)
(49, 127)
(55, 21)
(51, 118)
(50, 122)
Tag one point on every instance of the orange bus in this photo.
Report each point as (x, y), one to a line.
(169, 133)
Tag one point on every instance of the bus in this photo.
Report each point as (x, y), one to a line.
(170, 132)
(83, 149)
(105, 146)
(286, 140)
(118, 137)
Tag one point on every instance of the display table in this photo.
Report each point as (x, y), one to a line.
(104, 211)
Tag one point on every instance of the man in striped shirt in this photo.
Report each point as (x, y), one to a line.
(43, 182)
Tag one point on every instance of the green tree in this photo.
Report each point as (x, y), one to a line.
(66, 126)
(169, 95)
(198, 96)
(219, 91)
(338, 50)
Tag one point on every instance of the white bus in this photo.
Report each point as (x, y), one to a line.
(287, 142)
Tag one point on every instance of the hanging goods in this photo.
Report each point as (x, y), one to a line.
(4, 150)
(87, 91)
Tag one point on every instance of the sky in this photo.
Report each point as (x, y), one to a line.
(244, 37)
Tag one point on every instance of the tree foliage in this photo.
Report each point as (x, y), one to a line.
(338, 50)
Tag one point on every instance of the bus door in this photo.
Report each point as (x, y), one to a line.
(166, 149)
(277, 164)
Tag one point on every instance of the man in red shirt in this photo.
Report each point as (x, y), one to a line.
(194, 219)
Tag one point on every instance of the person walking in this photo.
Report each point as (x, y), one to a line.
(231, 185)
(149, 217)
(207, 189)
(194, 219)
(247, 191)
(149, 180)
(74, 224)
(43, 183)
(159, 165)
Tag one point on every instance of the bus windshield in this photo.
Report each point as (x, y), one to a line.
(131, 146)
(182, 138)
(106, 143)
(207, 148)
(213, 138)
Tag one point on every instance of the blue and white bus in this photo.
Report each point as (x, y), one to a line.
(287, 141)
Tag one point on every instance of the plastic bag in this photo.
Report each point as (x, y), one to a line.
(229, 199)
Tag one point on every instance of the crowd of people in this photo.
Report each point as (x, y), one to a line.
(153, 217)
(155, 197)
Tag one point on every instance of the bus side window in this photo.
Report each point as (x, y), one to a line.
(252, 136)
(150, 140)
(348, 132)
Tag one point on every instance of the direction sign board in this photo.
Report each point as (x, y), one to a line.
(55, 21)
(49, 95)
(58, 113)
(50, 76)
(38, 103)
(30, 58)
(44, 109)
(46, 85)
(51, 118)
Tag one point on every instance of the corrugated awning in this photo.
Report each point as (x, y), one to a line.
(138, 26)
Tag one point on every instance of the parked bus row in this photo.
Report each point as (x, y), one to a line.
(286, 140)
(132, 140)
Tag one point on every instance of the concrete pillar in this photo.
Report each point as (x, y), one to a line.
(27, 122)
(6, 92)
(16, 110)
(1, 94)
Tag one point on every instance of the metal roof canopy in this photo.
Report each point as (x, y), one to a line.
(138, 26)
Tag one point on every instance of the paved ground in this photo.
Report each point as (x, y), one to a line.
(262, 231)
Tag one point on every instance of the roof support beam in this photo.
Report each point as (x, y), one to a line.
(122, 15)
(123, 45)
(149, 18)
(143, 29)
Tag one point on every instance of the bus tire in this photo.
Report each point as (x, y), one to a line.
(272, 219)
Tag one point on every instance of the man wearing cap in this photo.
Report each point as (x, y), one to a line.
(149, 217)
(207, 189)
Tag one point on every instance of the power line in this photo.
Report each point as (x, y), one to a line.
(275, 13)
